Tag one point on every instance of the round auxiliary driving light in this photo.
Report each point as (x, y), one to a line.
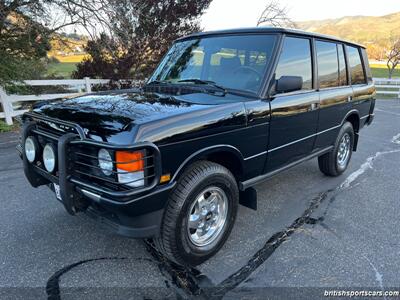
(30, 149)
(49, 158)
(105, 162)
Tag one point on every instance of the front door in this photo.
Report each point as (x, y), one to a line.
(294, 115)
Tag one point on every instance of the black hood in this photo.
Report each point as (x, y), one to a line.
(105, 115)
(111, 111)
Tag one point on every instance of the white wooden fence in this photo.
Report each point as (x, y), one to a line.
(384, 87)
(81, 86)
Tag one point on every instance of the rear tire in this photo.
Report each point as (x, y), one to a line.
(334, 163)
(183, 239)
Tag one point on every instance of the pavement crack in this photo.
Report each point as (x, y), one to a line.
(278, 238)
(268, 249)
(53, 283)
(185, 280)
(189, 282)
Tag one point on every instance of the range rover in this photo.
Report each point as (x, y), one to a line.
(223, 111)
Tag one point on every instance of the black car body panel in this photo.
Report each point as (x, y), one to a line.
(114, 116)
(254, 135)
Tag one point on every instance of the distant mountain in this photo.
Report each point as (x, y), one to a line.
(374, 32)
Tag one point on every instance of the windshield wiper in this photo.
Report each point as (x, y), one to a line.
(207, 82)
(157, 82)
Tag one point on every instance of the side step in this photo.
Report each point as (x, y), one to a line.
(243, 186)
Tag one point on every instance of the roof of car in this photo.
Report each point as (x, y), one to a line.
(269, 30)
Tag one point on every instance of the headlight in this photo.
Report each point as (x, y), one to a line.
(130, 166)
(30, 149)
(49, 158)
(105, 162)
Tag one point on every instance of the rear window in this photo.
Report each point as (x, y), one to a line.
(355, 65)
(295, 60)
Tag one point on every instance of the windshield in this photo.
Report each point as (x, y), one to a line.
(233, 61)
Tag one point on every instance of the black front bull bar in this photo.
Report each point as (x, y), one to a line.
(67, 183)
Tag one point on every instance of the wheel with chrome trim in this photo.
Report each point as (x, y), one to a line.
(207, 216)
(200, 214)
(344, 150)
(335, 162)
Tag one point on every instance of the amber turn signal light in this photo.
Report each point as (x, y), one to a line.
(165, 178)
(130, 161)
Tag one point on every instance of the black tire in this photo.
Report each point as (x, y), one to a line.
(328, 163)
(174, 240)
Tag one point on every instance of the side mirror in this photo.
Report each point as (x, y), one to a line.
(287, 84)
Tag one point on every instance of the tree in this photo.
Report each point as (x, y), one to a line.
(104, 61)
(136, 34)
(23, 42)
(275, 15)
(26, 27)
(376, 50)
(393, 54)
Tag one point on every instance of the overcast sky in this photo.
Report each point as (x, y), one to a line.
(244, 13)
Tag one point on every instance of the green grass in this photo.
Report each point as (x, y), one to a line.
(382, 72)
(6, 128)
(63, 69)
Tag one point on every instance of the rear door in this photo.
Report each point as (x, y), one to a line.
(361, 81)
(334, 90)
(294, 115)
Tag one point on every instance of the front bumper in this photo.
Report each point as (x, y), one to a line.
(124, 218)
(134, 213)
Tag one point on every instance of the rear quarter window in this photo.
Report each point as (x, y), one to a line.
(355, 64)
(366, 65)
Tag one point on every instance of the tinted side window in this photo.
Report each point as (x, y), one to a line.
(295, 60)
(356, 69)
(366, 64)
(342, 66)
(328, 65)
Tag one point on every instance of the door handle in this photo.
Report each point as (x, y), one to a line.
(349, 98)
(314, 106)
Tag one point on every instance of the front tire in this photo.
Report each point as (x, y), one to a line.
(334, 163)
(200, 214)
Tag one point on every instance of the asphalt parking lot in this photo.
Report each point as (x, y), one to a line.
(309, 231)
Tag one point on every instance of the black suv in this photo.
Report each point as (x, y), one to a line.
(223, 111)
